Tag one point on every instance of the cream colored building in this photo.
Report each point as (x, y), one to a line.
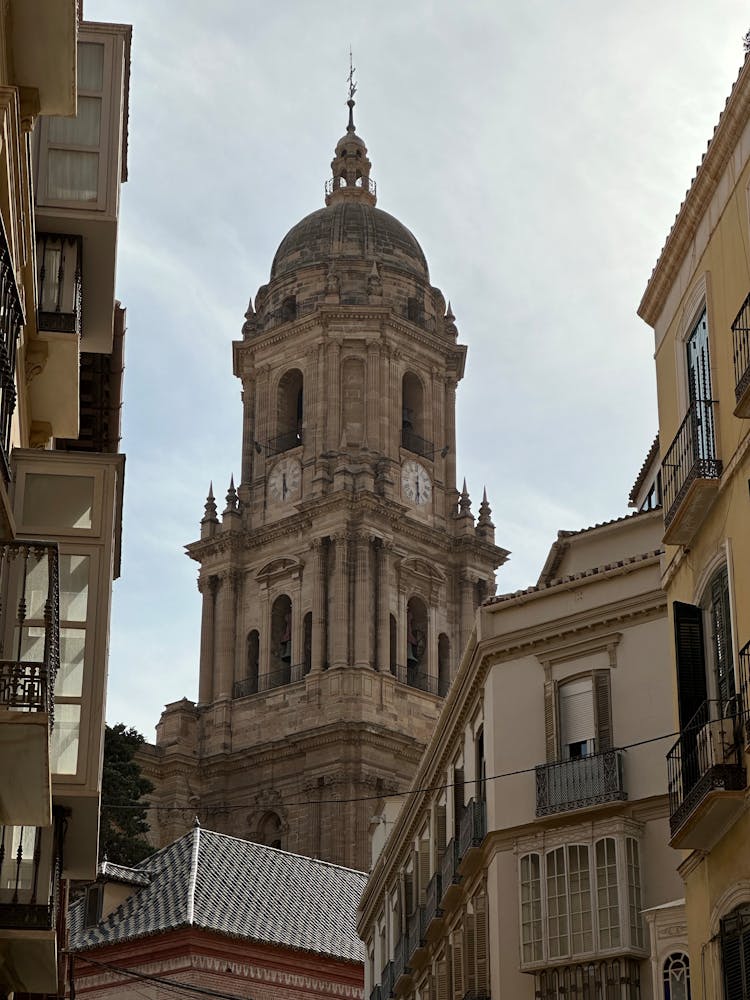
(340, 583)
(698, 302)
(537, 834)
(63, 113)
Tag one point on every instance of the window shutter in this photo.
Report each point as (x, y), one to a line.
(550, 733)
(735, 953)
(577, 723)
(457, 965)
(441, 841)
(691, 660)
(425, 990)
(480, 927)
(441, 976)
(458, 798)
(471, 952)
(603, 711)
(424, 869)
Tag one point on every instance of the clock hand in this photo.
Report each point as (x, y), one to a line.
(283, 486)
(416, 483)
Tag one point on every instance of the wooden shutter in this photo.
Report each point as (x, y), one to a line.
(424, 869)
(441, 833)
(550, 728)
(441, 980)
(426, 991)
(735, 953)
(471, 952)
(458, 798)
(408, 898)
(481, 932)
(691, 660)
(457, 966)
(602, 711)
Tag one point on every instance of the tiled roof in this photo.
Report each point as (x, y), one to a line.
(108, 872)
(240, 889)
(640, 478)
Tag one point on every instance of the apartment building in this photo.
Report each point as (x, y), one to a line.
(698, 302)
(531, 858)
(63, 102)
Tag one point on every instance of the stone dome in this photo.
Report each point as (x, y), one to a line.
(350, 231)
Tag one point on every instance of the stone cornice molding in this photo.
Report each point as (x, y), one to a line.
(720, 151)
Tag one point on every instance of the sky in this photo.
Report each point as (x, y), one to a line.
(539, 152)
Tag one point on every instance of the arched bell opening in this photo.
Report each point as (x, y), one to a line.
(289, 411)
(307, 629)
(416, 643)
(444, 664)
(281, 642)
(252, 661)
(412, 415)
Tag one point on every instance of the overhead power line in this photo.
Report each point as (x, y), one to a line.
(161, 980)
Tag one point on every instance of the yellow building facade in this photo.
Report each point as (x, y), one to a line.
(698, 303)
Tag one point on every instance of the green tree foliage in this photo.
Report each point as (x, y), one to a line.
(122, 830)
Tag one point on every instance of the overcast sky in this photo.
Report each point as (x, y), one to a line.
(538, 150)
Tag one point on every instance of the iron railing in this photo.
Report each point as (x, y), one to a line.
(284, 442)
(744, 662)
(400, 959)
(11, 320)
(416, 931)
(387, 980)
(30, 873)
(413, 677)
(741, 350)
(449, 866)
(419, 445)
(432, 899)
(706, 757)
(29, 572)
(376, 993)
(473, 827)
(575, 784)
(691, 456)
(334, 183)
(59, 262)
(267, 682)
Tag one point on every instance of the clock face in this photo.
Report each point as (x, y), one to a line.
(416, 485)
(285, 480)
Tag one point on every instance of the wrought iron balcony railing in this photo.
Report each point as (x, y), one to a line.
(400, 960)
(575, 784)
(11, 320)
(415, 678)
(267, 682)
(707, 757)
(473, 827)
(691, 456)
(30, 643)
(741, 353)
(285, 442)
(419, 445)
(376, 993)
(433, 896)
(59, 263)
(416, 931)
(449, 866)
(30, 870)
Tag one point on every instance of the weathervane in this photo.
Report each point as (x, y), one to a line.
(352, 92)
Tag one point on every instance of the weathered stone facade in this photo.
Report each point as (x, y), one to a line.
(340, 585)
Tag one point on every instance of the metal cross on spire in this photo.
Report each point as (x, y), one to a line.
(352, 92)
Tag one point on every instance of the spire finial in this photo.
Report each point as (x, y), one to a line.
(209, 515)
(232, 504)
(464, 502)
(352, 92)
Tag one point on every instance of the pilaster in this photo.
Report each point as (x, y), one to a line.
(207, 586)
(340, 631)
(362, 603)
(318, 604)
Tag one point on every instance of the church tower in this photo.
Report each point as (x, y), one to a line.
(340, 581)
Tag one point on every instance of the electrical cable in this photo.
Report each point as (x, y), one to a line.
(162, 981)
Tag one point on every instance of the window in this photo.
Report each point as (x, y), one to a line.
(677, 977)
(577, 717)
(571, 904)
(735, 953)
(699, 388)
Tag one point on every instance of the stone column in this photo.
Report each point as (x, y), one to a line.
(340, 626)
(224, 648)
(320, 400)
(333, 437)
(262, 423)
(384, 607)
(432, 642)
(450, 440)
(396, 417)
(363, 610)
(248, 436)
(372, 432)
(207, 585)
(318, 654)
(298, 631)
(401, 634)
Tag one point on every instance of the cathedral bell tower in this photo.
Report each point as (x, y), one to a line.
(340, 583)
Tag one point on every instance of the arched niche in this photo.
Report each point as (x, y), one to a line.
(444, 664)
(289, 411)
(280, 660)
(416, 642)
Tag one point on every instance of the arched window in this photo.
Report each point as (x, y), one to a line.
(444, 664)
(270, 830)
(416, 643)
(412, 416)
(251, 662)
(677, 977)
(289, 412)
(307, 625)
(281, 641)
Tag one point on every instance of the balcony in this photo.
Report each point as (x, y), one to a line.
(59, 280)
(449, 875)
(30, 859)
(11, 318)
(416, 933)
(285, 442)
(706, 775)
(29, 660)
(401, 967)
(387, 981)
(472, 831)
(690, 473)
(413, 677)
(416, 444)
(741, 354)
(376, 993)
(434, 894)
(579, 783)
(267, 682)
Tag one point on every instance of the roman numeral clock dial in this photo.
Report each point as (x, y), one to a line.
(416, 485)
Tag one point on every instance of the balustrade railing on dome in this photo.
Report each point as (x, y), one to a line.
(363, 183)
